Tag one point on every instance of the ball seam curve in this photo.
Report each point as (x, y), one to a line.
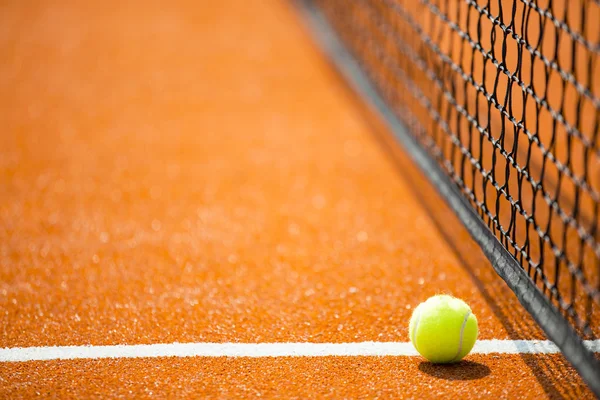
(414, 330)
(462, 332)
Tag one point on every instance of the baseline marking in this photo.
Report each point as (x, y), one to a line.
(19, 354)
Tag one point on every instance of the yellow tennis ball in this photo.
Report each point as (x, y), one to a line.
(443, 329)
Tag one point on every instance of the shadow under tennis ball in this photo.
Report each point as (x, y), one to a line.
(461, 371)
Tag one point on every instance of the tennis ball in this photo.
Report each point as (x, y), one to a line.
(443, 329)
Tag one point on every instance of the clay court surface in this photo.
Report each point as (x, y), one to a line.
(196, 172)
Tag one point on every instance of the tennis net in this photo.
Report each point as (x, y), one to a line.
(499, 102)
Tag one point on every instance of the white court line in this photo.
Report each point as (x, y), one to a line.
(266, 350)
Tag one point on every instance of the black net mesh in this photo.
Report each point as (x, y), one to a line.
(505, 95)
